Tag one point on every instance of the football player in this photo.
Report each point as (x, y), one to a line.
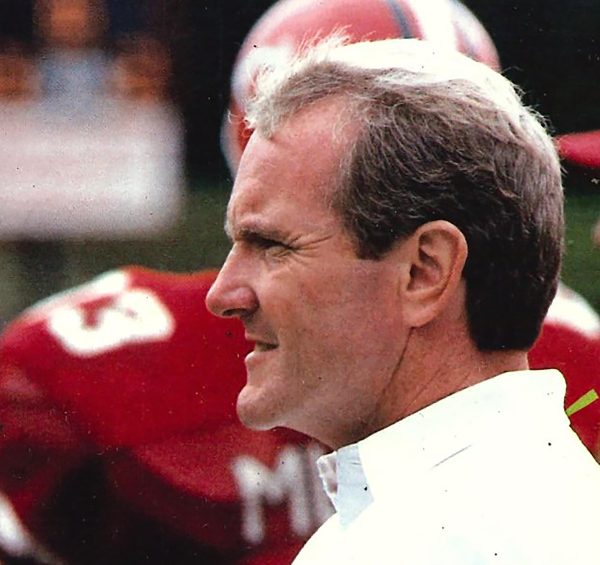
(570, 341)
(119, 441)
(571, 334)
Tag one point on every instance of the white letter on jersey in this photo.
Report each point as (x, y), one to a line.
(134, 316)
(257, 484)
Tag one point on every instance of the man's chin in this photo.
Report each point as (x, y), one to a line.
(254, 411)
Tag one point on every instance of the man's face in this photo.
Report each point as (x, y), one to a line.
(326, 324)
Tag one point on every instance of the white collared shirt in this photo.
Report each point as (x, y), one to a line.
(492, 474)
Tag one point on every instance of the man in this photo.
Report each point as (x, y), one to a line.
(119, 439)
(164, 495)
(572, 338)
(396, 226)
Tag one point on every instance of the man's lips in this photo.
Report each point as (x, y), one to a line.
(261, 351)
(260, 345)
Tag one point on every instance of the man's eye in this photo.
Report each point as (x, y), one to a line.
(273, 248)
(267, 246)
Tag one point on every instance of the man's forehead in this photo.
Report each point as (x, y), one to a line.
(259, 193)
(258, 207)
(292, 172)
(326, 118)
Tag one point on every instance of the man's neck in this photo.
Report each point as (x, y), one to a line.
(423, 379)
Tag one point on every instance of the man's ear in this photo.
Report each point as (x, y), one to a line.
(433, 259)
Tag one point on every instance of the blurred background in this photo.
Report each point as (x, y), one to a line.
(110, 112)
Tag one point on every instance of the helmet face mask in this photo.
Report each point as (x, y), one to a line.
(290, 24)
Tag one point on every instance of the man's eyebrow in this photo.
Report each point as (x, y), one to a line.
(254, 232)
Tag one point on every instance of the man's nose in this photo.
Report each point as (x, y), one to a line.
(231, 295)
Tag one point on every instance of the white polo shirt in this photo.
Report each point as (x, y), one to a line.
(492, 474)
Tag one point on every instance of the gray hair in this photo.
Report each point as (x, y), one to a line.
(438, 136)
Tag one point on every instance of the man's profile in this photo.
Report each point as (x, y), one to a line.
(396, 226)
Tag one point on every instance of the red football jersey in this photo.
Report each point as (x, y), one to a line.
(120, 442)
(570, 342)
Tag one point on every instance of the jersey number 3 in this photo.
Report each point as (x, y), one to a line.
(131, 316)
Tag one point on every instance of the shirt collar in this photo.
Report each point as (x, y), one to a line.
(357, 474)
(345, 482)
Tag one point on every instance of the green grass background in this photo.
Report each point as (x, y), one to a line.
(581, 268)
